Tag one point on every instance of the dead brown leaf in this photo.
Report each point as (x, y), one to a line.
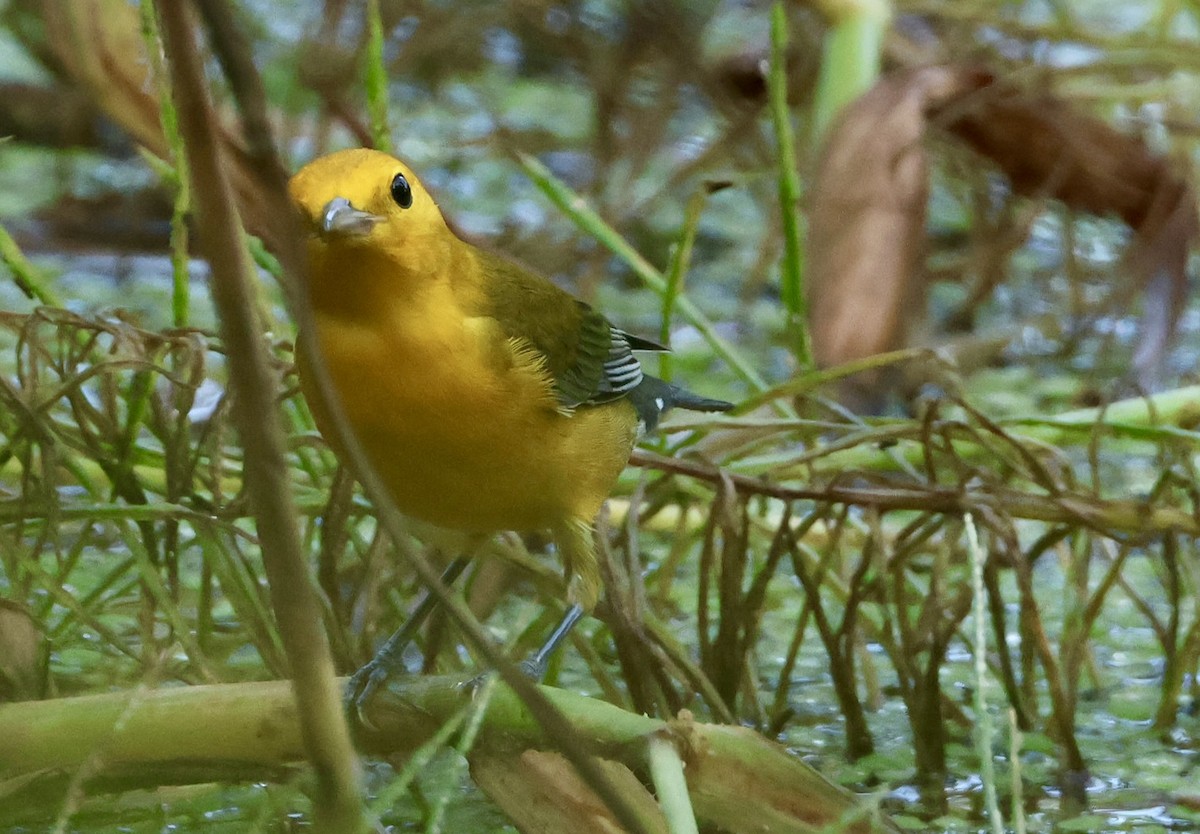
(866, 227)
(867, 220)
(1047, 147)
(541, 792)
(96, 46)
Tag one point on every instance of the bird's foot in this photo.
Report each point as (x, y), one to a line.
(534, 667)
(531, 667)
(363, 685)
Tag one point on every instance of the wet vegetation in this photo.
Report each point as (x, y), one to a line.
(944, 551)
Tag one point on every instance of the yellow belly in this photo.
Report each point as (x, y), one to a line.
(461, 446)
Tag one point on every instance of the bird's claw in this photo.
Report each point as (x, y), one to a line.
(362, 686)
(533, 667)
(474, 685)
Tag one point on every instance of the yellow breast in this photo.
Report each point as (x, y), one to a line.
(464, 435)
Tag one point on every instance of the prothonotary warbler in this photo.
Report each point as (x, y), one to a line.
(486, 397)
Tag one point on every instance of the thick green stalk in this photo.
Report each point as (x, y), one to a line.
(670, 784)
(852, 56)
(737, 781)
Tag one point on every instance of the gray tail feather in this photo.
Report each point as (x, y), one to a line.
(682, 398)
(652, 398)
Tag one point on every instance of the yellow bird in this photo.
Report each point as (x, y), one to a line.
(486, 397)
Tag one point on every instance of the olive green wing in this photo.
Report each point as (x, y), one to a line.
(589, 360)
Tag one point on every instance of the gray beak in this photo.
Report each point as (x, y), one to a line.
(341, 218)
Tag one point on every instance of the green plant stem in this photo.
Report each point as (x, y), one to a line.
(169, 119)
(791, 280)
(26, 276)
(575, 207)
(417, 762)
(376, 80)
(1014, 760)
(983, 717)
(164, 605)
(676, 271)
(475, 712)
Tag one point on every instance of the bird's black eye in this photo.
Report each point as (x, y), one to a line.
(401, 191)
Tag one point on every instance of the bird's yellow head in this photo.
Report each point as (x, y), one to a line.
(364, 198)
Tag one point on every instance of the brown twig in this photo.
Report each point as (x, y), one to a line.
(338, 803)
(1097, 513)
